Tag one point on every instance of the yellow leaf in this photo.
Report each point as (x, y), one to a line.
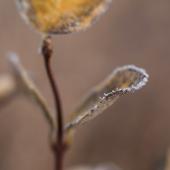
(61, 16)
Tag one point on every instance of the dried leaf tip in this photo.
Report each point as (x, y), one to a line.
(137, 77)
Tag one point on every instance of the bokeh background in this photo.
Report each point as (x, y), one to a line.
(134, 133)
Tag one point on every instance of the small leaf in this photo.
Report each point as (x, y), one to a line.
(99, 167)
(123, 80)
(26, 86)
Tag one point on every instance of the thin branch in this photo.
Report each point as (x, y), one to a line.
(47, 51)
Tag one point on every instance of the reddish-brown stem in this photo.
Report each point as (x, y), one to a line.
(47, 51)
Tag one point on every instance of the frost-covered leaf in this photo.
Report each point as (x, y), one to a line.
(26, 86)
(123, 80)
(99, 167)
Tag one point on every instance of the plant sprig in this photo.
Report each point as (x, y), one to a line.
(60, 17)
(121, 81)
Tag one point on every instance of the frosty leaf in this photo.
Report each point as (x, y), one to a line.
(123, 80)
(27, 87)
(99, 167)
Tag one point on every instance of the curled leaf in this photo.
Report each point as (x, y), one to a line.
(123, 80)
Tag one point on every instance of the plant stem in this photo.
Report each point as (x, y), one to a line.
(47, 51)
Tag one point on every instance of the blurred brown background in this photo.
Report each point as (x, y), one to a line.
(134, 133)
